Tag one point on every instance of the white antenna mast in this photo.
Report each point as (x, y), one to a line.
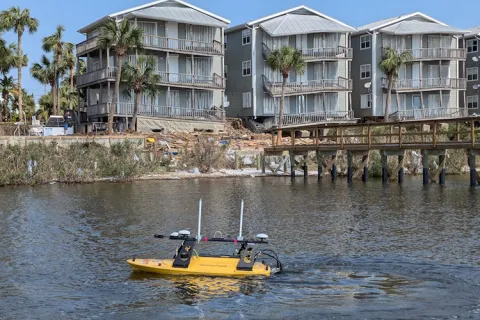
(199, 237)
(240, 238)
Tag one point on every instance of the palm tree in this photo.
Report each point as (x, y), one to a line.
(285, 60)
(7, 88)
(18, 20)
(390, 65)
(54, 43)
(69, 62)
(45, 73)
(124, 37)
(140, 78)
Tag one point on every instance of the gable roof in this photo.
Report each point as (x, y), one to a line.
(374, 26)
(421, 27)
(474, 31)
(200, 14)
(298, 20)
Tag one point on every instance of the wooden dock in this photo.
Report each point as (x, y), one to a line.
(432, 137)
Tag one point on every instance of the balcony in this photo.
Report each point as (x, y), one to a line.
(316, 117)
(315, 54)
(190, 80)
(96, 76)
(87, 46)
(183, 45)
(425, 54)
(428, 84)
(432, 113)
(164, 44)
(123, 109)
(312, 86)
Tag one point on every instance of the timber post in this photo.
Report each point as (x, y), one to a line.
(473, 169)
(263, 158)
(292, 165)
(334, 168)
(319, 164)
(305, 166)
(401, 171)
(441, 160)
(365, 168)
(384, 167)
(349, 166)
(425, 167)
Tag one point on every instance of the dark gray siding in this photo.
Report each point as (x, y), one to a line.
(260, 64)
(236, 82)
(470, 91)
(361, 57)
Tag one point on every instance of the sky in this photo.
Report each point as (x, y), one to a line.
(74, 15)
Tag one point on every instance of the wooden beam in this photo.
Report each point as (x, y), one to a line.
(359, 171)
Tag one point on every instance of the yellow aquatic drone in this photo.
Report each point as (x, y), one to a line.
(188, 262)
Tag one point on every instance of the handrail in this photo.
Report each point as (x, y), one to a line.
(434, 53)
(185, 45)
(97, 75)
(429, 113)
(172, 112)
(87, 45)
(339, 52)
(316, 117)
(339, 84)
(214, 81)
(427, 83)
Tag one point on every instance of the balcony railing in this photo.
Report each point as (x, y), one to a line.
(318, 53)
(316, 117)
(435, 53)
(426, 84)
(94, 76)
(432, 113)
(87, 45)
(171, 112)
(312, 86)
(183, 45)
(191, 80)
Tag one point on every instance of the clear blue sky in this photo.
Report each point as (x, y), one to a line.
(76, 14)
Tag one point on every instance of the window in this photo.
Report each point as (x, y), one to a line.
(365, 71)
(472, 102)
(225, 72)
(472, 45)
(246, 36)
(225, 43)
(247, 68)
(246, 100)
(365, 101)
(365, 42)
(472, 74)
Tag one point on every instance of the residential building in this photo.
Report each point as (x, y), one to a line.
(472, 95)
(322, 93)
(431, 86)
(187, 44)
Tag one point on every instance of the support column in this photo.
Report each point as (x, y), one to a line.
(334, 169)
(262, 156)
(425, 166)
(473, 170)
(441, 160)
(365, 169)
(349, 166)
(319, 164)
(292, 165)
(305, 166)
(384, 167)
(401, 171)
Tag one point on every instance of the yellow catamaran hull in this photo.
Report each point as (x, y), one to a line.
(200, 266)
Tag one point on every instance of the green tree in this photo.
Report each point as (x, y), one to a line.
(18, 20)
(391, 63)
(7, 88)
(124, 37)
(285, 60)
(46, 106)
(69, 62)
(28, 103)
(45, 73)
(140, 78)
(55, 43)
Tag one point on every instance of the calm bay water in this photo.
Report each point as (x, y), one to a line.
(350, 251)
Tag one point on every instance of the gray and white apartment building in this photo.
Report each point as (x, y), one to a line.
(472, 41)
(432, 86)
(186, 42)
(322, 93)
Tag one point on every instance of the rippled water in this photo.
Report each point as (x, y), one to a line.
(350, 251)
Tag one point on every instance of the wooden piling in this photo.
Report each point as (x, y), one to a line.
(384, 167)
(473, 170)
(334, 168)
(350, 166)
(401, 171)
(441, 161)
(319, 164)
(292, 165)
(365, 168)
(425, 167)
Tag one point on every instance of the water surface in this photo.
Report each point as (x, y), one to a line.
(350, 251)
